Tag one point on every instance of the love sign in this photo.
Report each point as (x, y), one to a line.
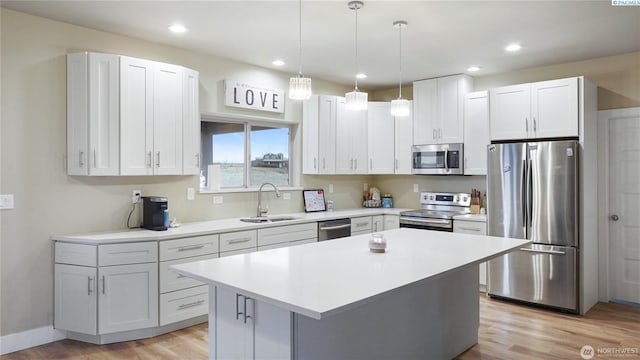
(242, 95)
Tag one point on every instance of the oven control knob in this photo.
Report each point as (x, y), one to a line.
(455, 199)
(464, 199)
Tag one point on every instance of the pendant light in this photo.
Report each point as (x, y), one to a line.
(400, 106)
(300, 86)
(356, 100)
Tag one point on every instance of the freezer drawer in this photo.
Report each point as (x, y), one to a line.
(540, 274)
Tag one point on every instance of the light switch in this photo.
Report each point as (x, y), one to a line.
(6, 201)
(365, 187)
(330, 188)
(416, 188)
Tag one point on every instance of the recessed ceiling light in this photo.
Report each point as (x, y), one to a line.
(513, 47)
(278, 62)
(177, 28)
(473, 68)
(361, 76)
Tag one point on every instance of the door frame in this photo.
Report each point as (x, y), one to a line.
(605, 117)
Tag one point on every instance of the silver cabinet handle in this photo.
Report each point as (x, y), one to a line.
(238, 312)
(81, 158)
(189, 248)
(351, 166)
(314, 163)
(396, 164)
(526, 124)
(246, 314)
(371, 164)
(362, 224)
(535, 127)
(440, 133)
(149, 159)
(355, 167)
(433, 134)
(190, 305)
(470, 229)
(158, 159)
(238, 241)
(324, 164)
(552, 252)
(103, 285)
(89, 287)
(198, 159)
(95, 159)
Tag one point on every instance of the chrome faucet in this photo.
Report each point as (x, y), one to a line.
(263, 211)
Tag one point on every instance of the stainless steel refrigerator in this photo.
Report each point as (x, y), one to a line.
(532, 193)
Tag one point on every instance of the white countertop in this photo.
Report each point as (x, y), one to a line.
(216, 226)
(321, 279)
(471, 217)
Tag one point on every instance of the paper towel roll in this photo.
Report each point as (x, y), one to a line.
(213, 177)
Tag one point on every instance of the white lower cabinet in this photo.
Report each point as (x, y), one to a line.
(283, 236)
(377, 223)
(249, 329)
(184, 304)
(75, 306)
(361, 225)
(474, 228)
(391, 221)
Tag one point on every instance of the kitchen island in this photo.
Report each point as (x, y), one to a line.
(335, 299)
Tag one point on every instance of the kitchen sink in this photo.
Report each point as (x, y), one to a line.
(268, 219)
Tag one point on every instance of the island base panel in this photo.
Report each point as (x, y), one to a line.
(434, 319)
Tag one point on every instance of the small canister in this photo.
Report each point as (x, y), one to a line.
(387, 201)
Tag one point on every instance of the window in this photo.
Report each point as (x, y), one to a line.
(244, 155)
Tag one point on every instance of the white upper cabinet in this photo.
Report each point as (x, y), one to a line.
(128, 116)
(190, 123)
(476, 132)
(319, 135)
(380, 138)
(544, 109)
(92, 114)
(351, 140)
(438, 109)
(403, 136)
(151, 126)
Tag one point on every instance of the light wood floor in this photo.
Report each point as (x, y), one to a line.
(507, 331)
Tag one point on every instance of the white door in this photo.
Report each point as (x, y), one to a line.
(75, 299)
(191, 123)
(624, 206)
(167, 119)
(510, 112)
(310, 136)
(554, 108)
(326, 134)
(128, 297)
(425, 112)
(380, 136)
(403, 140)
(234, 333)
(344, 141)
(451, 90)
(136, 116)
(476, 132)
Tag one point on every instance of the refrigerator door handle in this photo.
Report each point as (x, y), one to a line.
(524, 193)
(530, 190)
(552, 252)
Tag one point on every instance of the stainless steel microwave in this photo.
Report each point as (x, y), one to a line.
(438, 159)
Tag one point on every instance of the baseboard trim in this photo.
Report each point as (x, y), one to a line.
(30, 338)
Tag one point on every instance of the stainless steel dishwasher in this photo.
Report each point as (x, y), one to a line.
(334, 229)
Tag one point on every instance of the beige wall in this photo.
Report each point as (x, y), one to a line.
(47, 201)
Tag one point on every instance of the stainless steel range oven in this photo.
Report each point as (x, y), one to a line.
(437, 211)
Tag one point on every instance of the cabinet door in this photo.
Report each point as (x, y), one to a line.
(344, 157)
(403, 140)
(391, 222)
(104, 114)
(327, 134)
(272, 332)
(191, 123)
(451, 90)
(136, 116)
(128, 297)
(476, 133)
(380, 138)
(554, 108)
(425, 112)
(75, 299)
(510, 109)
(234, 335)
(77, 114)
(377, 223)
(310, 135)
(359, 142)
(167, 119)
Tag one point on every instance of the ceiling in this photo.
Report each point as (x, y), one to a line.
(442, 37)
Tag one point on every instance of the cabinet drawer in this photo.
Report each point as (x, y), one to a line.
(283, 234)
(75, 254)
(469, 227)
(133, 253)
(238, 240)
(192, 246)
(184, 304)
(236, 252)
(290, 243)
(172, 281)
(361, 224)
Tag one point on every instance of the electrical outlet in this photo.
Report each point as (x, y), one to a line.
(218, 200)
(365, 187)
(286, 196)
(6, 201)
(136, 196)
(416, 188)
(330, 188)
(191, 193)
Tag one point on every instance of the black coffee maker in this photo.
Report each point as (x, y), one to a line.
(155, 213)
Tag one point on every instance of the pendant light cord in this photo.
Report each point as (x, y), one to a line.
(356, 9)
(400, 85)
(300, 37)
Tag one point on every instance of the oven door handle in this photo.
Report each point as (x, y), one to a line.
(427, 222)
